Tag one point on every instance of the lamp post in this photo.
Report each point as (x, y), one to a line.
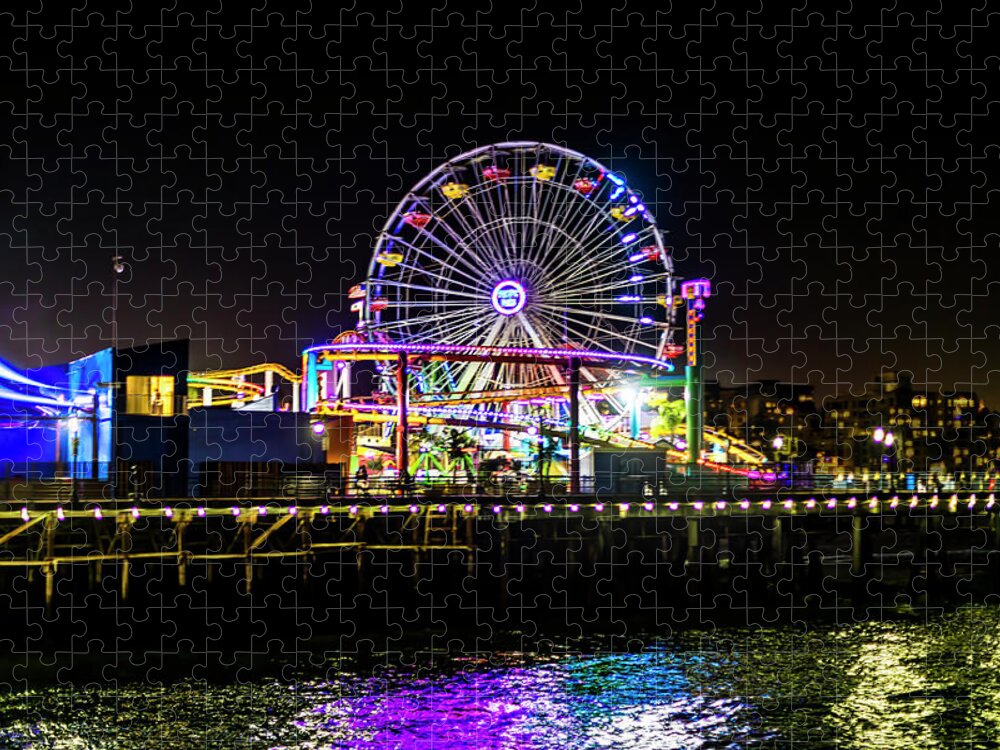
(778, 444)
(74, 445)
(791, 447)
(885, 440)
(118, 267)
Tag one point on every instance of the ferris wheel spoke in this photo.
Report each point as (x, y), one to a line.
(505, 214)
(422, 288)
(469, 274)
(484, 240)
(597, 269)
(430, 275)
(490, 337)
(593, 228)
(556, 182)
(488, 222)
(546, 236)
(573, 204)
(577, 278)
(549, 236)
(587, 314)
(529, 206)
(465, 333)
(454, 320)
(449, 232)
(593, 284)
(541, 341)
(420, 305)
(570, 333)
(584, 323)
(451, 252)
(454, 212)
(587, 214)
(565, 254)
(486, 209)
(594, 246)
(538, 194)
(579, 251)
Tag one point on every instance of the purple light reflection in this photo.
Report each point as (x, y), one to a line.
(622, 700)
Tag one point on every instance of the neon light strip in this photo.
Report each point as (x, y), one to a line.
(8, 395)
(492, 351)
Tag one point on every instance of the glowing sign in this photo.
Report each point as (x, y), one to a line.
(696, 289)
(509, 297)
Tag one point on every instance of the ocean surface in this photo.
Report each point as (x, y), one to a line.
(908, 683)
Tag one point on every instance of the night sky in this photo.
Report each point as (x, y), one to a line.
(833, 168)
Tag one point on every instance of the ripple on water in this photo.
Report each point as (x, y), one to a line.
(872, 685)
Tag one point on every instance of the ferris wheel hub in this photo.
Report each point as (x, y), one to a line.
(509, 297)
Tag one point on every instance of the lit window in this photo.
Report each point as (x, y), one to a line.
(150, 394)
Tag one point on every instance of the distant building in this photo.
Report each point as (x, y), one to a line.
(931, 431)
(892, 426)
(760, 411)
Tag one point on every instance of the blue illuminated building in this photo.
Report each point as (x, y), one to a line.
(121, 417)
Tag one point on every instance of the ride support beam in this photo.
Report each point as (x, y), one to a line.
(574, 426)
(345, 381)
(694, 395)
(402, 421)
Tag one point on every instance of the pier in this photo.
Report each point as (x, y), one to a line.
(583, 558)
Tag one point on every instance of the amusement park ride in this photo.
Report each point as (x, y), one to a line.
(520, 291)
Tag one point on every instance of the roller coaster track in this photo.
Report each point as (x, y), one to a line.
(232, 382)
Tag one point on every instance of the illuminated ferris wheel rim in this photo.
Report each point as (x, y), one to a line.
(448, 167)
(521, 244)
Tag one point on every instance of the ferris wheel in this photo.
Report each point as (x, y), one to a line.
(519, 244)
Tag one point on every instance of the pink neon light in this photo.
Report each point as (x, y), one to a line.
(490, 351)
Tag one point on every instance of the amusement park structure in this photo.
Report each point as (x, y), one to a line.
(520, 314)
(519, 310)
(521, 290)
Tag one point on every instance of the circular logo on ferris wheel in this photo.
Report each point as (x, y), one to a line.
(509, 297)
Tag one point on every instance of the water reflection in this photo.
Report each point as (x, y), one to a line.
(877, 685)
(626, 700)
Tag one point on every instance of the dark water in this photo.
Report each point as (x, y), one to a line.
(902, 684)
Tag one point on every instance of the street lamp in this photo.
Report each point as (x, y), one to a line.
(74, 444)
(795, 452)
(780, 443)
(885, 440)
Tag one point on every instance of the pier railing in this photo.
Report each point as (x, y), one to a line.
(38, 488)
